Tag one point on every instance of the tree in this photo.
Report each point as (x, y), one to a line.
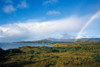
(97, 57)
(10, 52)
(55, 50)
(30, 52)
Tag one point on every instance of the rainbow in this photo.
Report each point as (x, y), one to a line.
(87, 23)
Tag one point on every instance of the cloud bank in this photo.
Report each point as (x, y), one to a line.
(24, 31)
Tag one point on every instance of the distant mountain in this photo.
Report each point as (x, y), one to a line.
(78, 40)
(97, 39)
(61, 40)
(39, 41)
(88, 40)
(67, 40)
(53, 40)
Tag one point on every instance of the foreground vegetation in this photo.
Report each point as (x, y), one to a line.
(81, 54)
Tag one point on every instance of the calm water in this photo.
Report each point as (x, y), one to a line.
(16, 45)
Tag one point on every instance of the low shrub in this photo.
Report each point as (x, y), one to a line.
(30, 52)
(97, 57)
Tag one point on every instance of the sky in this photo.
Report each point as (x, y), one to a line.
(29, 20)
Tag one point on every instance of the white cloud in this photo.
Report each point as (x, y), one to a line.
(40, 30)
(50, 1)
(9, 9)
(53, 12)
(23, 4)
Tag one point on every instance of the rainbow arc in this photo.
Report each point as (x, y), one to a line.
(87, 23)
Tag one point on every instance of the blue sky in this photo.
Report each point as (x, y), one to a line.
(49, 18)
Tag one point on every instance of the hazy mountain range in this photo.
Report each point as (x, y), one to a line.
(53, 40)
(78, 40)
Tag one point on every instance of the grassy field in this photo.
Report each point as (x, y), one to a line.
(80, 54)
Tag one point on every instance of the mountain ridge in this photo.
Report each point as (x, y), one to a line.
(53, 40)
